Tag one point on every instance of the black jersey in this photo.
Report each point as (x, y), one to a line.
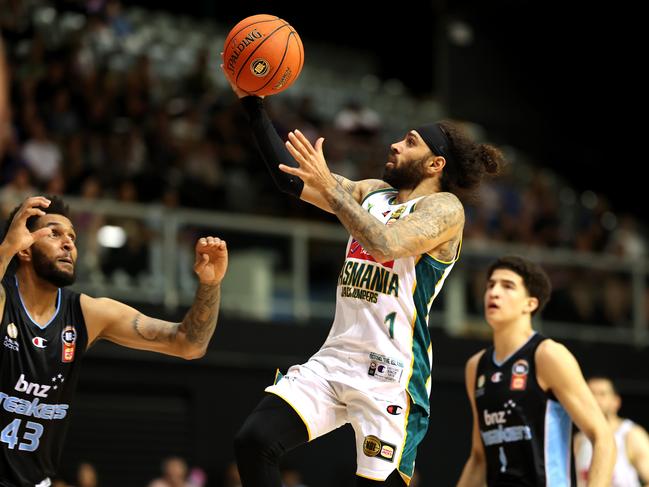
(39, 368)
(525, 431)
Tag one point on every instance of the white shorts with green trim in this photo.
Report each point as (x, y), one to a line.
(388, 431)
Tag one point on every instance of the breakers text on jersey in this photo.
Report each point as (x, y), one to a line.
(366, 280)
(13, 404)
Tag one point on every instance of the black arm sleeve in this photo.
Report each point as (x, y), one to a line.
(271, 146)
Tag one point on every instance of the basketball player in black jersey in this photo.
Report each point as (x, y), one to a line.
(524, 390)
(46, 329)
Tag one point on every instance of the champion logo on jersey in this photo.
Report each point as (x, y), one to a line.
(394, 410)
(356, 251)
(39, 342)
(496, 377)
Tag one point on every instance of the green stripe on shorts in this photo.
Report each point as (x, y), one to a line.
(415, 432)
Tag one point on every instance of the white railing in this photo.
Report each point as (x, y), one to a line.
(259, 286)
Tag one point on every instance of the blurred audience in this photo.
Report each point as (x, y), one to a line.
(174, 474)
(87, 475)
(101, 109)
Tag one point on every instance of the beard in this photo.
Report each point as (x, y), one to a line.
(406, 175)
(46, 269)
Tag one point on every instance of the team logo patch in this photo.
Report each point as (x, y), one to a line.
(373, 446)
(69, 341)
(12, 331)
(260, 67)
(396, 215)
(39, 342)
(481, 381)
(520, 369)
(394, 410)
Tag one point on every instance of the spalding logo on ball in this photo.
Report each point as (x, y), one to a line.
(263, 55)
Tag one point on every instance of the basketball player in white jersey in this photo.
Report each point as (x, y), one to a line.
(632, 462)
(374, 369)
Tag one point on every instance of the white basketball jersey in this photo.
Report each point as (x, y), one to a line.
(379, 341)
(624, 474)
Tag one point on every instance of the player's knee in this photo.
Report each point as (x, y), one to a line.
(253, 439)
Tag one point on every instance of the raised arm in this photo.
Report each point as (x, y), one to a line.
(273, 152)
(474, 473)
(437, 219)
(18, 236)
(114, 321)
(558, 371)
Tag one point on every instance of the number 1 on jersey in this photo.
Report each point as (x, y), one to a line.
(389, 318)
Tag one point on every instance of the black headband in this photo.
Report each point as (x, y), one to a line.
(436, 140)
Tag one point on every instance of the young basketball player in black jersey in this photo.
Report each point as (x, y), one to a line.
(524, 390)
(46, 330)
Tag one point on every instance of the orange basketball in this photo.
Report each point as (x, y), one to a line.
(263, 55)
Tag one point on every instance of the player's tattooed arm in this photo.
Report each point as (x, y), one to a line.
(357, 189)
(122, 324)
(437, 219)
(200, 321)
(197, 327)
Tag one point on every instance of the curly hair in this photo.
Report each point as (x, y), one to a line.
(471, 162)
(535, 279)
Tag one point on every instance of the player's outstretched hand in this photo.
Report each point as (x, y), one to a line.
(313, 169)
(211, 260)
(237, 91)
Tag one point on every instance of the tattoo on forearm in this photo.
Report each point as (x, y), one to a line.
(442, 212)
(405, 237)
(198, 325)
(359, 223)
(200, 321)
(154, 330)
(346, 184)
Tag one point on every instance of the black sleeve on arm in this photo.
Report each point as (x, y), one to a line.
(271, 146)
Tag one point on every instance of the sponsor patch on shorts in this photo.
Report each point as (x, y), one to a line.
(373, 446)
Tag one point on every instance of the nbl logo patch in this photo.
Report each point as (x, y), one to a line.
(373, 446)
(260, 67)
(68, 343)
(520, 369)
